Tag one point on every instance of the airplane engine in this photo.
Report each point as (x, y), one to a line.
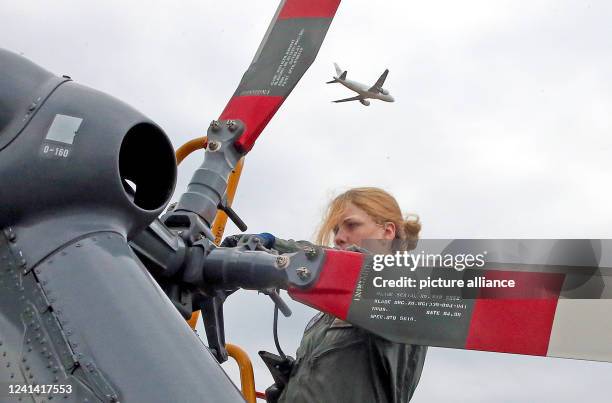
(364, 102)
(384, 91)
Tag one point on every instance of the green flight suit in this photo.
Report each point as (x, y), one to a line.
(339, 363)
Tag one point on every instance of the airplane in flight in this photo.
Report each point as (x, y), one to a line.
(374, 92)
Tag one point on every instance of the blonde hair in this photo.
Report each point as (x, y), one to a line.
(379, 205)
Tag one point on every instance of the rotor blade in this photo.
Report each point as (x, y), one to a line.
(289, 47)
(556, 306)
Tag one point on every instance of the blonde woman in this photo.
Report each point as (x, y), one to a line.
(337, 362)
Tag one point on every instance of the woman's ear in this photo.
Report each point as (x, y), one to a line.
(389, 230)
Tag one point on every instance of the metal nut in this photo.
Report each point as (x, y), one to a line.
(282, 261)
(214, 125)
(303, 273)
(213, 145)
(10, 234)
(310, 252)
(231, 125)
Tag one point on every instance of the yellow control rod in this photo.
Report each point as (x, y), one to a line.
(247, 378)
(189, 147)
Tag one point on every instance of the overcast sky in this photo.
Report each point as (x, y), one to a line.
(501, 128)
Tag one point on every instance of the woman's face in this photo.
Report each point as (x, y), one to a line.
(355, 226)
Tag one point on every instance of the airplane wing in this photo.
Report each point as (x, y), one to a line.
(357, 98)
(380, 81)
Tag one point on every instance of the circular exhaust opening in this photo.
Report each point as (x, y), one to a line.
(147, 166)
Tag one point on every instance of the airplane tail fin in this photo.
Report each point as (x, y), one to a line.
(338, 69)
(341, 75)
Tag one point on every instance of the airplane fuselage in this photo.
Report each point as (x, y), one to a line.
(362, 90)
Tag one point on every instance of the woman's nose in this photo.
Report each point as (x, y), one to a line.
(340, 239)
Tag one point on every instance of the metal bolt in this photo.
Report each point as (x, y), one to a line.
(213, 145)
(32, 107)
(231, 125)
(310, 252)
(214, 125)
(303, 273)
(171, 207)
(282, 261)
